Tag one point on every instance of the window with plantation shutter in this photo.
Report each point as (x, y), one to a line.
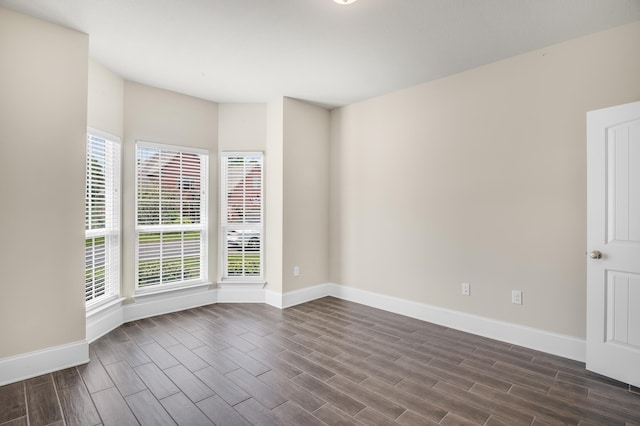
(171, 216)
(102, 218)
(242, 216)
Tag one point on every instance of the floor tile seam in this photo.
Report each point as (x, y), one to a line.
(520, 370)
(333, 388)
(91, 397)
(165, 409)
(335, 373)
(13, 420)
(376, 410)
(452, 409)
(595, 396)
(484, 378)
(395, 370)
(151, 391)
(590, 382)
(535, 407)
(607, 411)
(492, 411)
(239, 402)
(404, 393)
(26, 403)
(60, 410)
(530, 408)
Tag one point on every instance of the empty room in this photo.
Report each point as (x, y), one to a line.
(319, 212)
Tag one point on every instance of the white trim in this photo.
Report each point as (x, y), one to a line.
(273, 298)
(103, 319)
(163, 290)
(33, 364)
(241, 283)
(241, 154)
(166, 147)
(104, 135)
(241, 294)
(167, 302)
(296, 297)
(541, 340)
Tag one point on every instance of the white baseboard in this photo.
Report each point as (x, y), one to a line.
(296, 297)
(150, 305)
(273, 298)
(37, 363)
(541, 340)
(240, 295)
(103, 320)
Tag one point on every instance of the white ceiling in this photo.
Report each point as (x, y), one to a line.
(316, 50)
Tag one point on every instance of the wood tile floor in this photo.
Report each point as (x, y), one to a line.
(324, 362)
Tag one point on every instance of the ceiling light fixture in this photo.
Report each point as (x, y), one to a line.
(344, 2)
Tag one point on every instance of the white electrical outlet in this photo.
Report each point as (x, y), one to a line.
(516, 297)
(466, 289)
(296, 271)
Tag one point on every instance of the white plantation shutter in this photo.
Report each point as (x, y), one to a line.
(242, 215)
(102, 218)
(171, 215)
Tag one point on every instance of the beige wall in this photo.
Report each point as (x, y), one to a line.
(43, 119)
(297, 195)
(306, 195)
(480, 178)
(106, 100)
(161, 116)
(274, 195)
(242, 127)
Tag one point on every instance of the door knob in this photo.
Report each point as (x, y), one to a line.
(595, 254)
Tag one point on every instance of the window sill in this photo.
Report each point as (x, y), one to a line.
(173, 291)
(257, 284)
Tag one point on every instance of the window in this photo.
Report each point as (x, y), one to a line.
(102, 218)
(171, 216)
(241, 216)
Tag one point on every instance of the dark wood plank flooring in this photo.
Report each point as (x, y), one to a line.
(326, 362)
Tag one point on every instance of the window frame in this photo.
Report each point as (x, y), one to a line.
(112, 231)
(225, 226)
(201, 227)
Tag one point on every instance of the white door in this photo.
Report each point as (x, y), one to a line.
(613, 242)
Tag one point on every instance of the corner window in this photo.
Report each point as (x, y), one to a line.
(242, 216)
(171, 216)
(102, 218)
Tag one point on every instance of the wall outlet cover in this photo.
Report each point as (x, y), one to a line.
(466, 289)
(516, 297)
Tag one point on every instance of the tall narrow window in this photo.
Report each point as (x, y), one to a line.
(102, 218)
(171, 216)
(241, 216)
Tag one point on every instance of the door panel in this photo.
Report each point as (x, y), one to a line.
(623, 291)
(623, 143)
(613, 228)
